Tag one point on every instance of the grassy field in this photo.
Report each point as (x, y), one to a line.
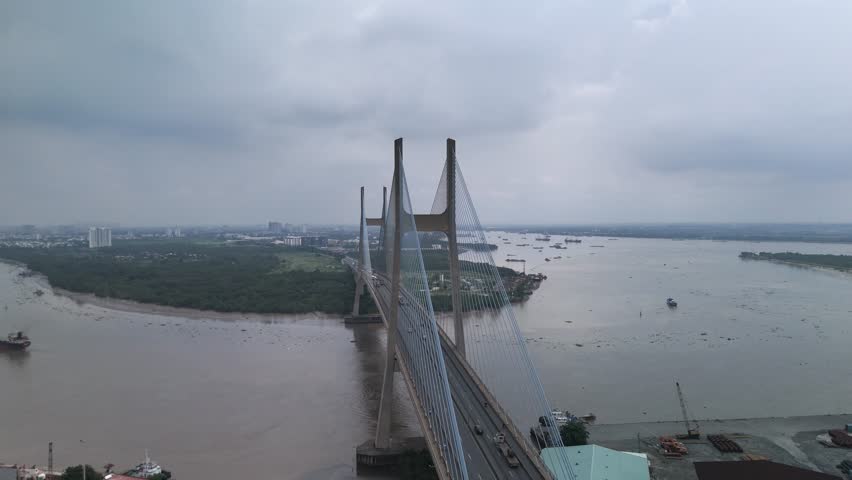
(300, 260)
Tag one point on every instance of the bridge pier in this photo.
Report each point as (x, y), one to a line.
(359, 291)
(367, 455)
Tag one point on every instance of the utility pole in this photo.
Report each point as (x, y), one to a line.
(50, 457)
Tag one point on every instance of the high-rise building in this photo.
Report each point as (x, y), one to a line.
(173, 232)
(100, 237)
(275, 227)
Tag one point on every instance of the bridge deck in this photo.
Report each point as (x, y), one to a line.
(483, 459)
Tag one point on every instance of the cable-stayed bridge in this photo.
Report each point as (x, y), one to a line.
(477, 395)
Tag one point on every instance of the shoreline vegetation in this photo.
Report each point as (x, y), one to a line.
(197, 275)
(835, 262)
(234, 280)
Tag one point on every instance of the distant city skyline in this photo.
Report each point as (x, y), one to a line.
(626, 111)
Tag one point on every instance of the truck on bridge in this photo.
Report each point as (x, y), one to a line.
(506, 450)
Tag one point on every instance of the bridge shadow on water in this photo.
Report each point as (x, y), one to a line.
(370, 343)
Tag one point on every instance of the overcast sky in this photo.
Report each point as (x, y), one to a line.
(203, 112)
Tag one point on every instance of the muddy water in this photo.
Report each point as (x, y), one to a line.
(284, 396)
(748, 338)
(290, 396)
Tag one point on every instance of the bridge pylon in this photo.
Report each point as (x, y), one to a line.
(363, 252)
(383, 425)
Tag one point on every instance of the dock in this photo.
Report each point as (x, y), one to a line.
(362, 319)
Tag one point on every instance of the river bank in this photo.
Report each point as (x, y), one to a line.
(153, 309)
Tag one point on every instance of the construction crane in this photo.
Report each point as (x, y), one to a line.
(691, 433)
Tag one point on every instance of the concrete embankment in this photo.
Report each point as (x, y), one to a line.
(789, 440)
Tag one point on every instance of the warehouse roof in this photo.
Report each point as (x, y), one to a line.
(593, 462)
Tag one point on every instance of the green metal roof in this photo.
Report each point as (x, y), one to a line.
(593, 462)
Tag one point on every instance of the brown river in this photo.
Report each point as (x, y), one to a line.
(213, 396)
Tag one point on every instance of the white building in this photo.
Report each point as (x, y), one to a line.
(293, 241)
(100, 237)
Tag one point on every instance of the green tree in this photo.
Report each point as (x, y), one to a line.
(574, 433)
(76, 473)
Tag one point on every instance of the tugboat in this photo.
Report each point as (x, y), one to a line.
(15, 341)
(671, 303)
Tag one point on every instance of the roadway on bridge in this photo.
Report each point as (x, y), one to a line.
(482, 457)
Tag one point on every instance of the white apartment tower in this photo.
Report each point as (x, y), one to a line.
(100, 237)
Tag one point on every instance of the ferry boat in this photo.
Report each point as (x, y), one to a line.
(564, 417)
(15, 341)
(146, 469)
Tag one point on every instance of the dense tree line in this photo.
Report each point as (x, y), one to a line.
(840, 262)
(182, 274)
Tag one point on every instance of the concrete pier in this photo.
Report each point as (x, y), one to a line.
(368, 455)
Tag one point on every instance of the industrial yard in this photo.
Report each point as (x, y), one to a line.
(792, 441)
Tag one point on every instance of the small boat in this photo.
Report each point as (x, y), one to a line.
(146, 469)
(560, 417)
(546, 259)
(572, 240)
(671, 303)
(590, 418)
(15, 341)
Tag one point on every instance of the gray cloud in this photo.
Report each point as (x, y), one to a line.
(215, 112)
